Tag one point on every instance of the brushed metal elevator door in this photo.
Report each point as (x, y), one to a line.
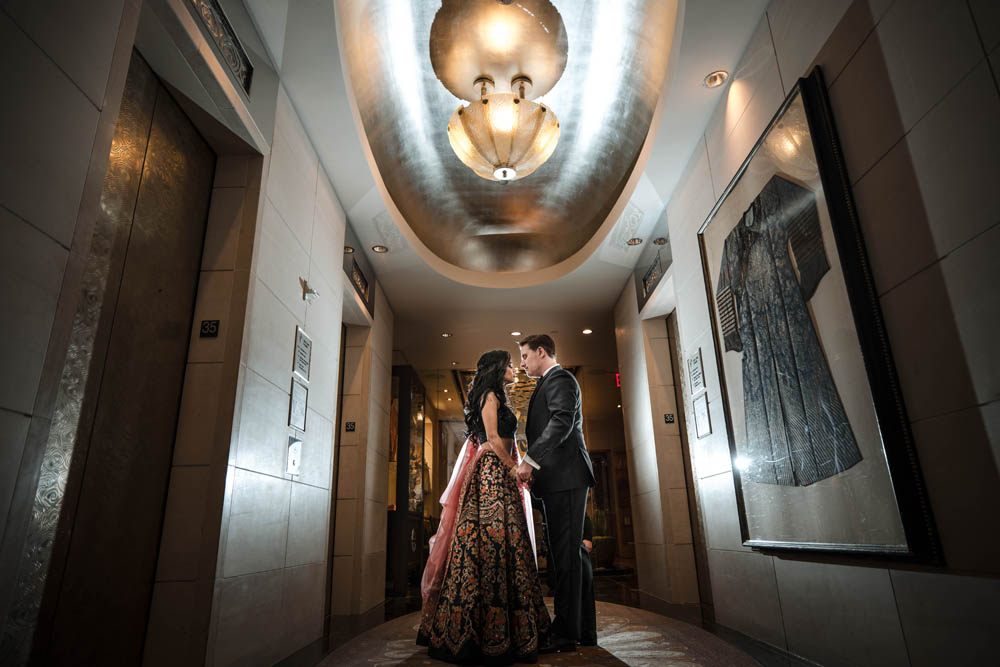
(100, 612)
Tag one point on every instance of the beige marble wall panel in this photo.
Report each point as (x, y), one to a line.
(796, 28)
(928, 46)
(947, 619)
(317, 452)
(249, 620)
(258, 524)
(281, 261)
(744, 595)
(46, 147)
(31, 274)
(751, 99)
(302, 605)
(820, 604)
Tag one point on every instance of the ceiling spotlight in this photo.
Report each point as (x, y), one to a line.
(635, 240)
(348, 250)
(454, 363)
(716, 78)
(587, 332)
(659, 240)
(449, 398)
(446, 391)
(619, 405)
(380, 249)
(446, 334)
(515, 333)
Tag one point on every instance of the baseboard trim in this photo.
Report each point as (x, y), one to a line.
(764, 653)
(342, 630)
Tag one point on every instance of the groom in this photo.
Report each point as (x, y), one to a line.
(559, 469)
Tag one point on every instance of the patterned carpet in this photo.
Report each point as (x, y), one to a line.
(625, 636)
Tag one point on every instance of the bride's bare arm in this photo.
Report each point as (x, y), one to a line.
(491, 406)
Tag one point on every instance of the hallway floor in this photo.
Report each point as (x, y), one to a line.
(626, 636)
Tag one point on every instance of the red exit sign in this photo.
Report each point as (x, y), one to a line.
(618, 379)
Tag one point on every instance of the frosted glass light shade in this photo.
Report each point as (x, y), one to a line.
(502, 137)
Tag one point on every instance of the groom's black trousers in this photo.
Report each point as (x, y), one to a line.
(564, 511)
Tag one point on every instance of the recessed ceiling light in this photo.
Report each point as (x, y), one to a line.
(515, 333)
(454, 363)
(348, 250)
(634, 241)
(446, 391)
(449, 398)
(587, 332)
(659, 240)
(380, 249)
(716, 78)
(619, 405)
(446, 334)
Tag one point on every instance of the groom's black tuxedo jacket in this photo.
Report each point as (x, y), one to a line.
(555, 434)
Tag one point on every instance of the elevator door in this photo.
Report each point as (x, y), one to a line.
(157, 193)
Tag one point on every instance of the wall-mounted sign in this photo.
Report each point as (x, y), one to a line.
(696, 373)
(702, 420)
(297, 404)
(209, 329)
(350, 427)
(303, 354)
(358, 277)
(294, 464)
(668, 418)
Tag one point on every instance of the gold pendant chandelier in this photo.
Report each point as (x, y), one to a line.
(501, 136)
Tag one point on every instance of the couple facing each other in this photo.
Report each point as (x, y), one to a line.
(482, 599)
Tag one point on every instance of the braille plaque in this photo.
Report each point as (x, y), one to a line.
(303, 354)
(297, 403)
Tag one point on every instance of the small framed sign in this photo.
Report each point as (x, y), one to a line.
(702, 419)
(696, 373)
(303, 354)
(297, 404)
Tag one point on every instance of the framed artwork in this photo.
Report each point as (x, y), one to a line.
(822, 454)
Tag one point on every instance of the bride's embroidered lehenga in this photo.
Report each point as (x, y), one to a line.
(482, 600)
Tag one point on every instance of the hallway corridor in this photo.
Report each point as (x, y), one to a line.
(303, 300)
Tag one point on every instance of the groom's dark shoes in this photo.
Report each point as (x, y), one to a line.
(557, 644)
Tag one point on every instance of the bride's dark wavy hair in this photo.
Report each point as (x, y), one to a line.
(490, 370)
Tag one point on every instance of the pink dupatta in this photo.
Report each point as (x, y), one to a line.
(440, 542)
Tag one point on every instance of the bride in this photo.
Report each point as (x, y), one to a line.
(482, 600)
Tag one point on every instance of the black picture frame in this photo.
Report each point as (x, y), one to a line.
(919, 538)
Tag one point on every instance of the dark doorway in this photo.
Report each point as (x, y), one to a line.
(144, 261)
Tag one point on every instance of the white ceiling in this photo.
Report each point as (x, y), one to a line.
(302, 39)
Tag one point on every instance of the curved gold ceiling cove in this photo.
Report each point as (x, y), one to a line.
(544, 225)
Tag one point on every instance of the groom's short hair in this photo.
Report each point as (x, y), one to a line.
(543, 341)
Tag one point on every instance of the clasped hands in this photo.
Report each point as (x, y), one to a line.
(524, 473)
